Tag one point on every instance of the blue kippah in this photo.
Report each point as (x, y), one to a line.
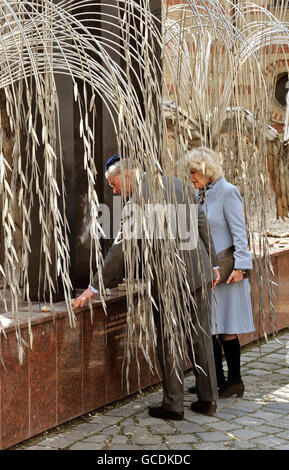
(111, 161)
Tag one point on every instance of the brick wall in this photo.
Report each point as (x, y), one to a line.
(273, 60)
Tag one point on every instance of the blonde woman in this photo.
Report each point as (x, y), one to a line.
(230, 302)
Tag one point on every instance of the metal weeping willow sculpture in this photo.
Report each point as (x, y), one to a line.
(221, 91)
(180, 78)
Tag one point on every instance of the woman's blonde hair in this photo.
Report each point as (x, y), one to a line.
(204, 161)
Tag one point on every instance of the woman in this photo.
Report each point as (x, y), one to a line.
(230, 301)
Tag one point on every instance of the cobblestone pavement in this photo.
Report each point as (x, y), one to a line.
(259, 420)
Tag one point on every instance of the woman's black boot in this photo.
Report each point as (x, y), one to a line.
(218, 354)
(234, 385)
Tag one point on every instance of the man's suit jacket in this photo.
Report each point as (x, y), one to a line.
(198, 261)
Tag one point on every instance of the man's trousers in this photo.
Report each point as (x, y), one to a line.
(173, 375)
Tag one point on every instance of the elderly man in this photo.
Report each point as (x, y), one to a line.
(122, 179)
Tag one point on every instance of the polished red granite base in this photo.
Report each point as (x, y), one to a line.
(70, 371)
(280, 317)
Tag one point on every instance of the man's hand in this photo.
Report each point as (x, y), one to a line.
(235, 276)
(83, 298)
(216, 280)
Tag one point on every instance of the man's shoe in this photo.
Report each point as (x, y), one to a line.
(162, 413)
(208, 408)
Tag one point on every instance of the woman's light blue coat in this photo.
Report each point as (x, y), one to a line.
(231, 303)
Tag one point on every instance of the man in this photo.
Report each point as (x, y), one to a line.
(122, 179)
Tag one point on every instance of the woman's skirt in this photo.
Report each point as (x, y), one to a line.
(231, 309)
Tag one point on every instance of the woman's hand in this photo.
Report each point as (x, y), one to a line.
(217, 278)
(83, 298)
(235, 276)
